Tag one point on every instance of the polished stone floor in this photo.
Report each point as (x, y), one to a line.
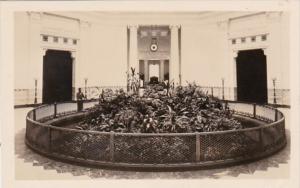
(32, 166)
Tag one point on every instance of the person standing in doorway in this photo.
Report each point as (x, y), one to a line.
(80, 97)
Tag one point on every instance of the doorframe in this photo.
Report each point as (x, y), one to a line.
(74, 58)
(265, 52)
(159, 67)
(233, 58)
(159, 60)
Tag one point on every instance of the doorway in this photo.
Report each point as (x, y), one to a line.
(57, 76)
(154, 69)
(251, 73)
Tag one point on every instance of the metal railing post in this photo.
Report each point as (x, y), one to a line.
(112, 146)
(198, 147)
(274, 90)
(34, 115)
(254, 110)
(276, 114)
(35, 91)
(55, 110)
(223, 95)
(85, 88)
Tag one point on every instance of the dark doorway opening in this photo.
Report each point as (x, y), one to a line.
(57, 76)
(251, 73)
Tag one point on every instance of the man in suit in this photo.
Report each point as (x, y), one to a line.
(80, 97)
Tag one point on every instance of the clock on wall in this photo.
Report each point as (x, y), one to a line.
(153, 46)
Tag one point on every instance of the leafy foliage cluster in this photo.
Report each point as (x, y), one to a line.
(180, 110)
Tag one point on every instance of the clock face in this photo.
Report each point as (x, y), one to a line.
(153, 47)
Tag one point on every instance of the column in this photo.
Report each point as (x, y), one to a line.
(226, 75)
(174, 63)
(74, 67)
(270, 75)
(162, 67)
(42, 54)
(231, 61)
(274, 49)
(83, 57)
(35, 66)
(146, 69)
(133, 58)
(159, 71)
(234, 55)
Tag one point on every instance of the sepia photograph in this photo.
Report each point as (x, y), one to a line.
(162, 94)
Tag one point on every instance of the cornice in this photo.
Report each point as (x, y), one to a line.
(159, 18)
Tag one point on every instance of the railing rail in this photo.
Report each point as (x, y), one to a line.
(27, 96)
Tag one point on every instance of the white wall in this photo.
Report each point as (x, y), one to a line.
(208, 55)
(203, 55)
(108, 56)
(101, 52)
(22, 81)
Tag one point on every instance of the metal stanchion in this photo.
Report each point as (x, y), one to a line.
(223, 97)
(55, 110)
(254, 110)
(274, 90)
(35, 90)
(85, 84)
